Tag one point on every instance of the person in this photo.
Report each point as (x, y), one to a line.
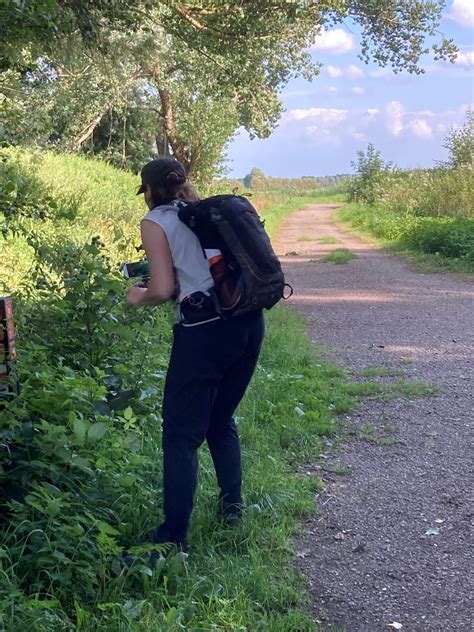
(212, 359)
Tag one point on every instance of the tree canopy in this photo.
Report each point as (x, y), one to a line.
(129, 79)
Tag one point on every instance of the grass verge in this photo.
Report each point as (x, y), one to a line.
(87, 481)
(433, 244)
(240, 579)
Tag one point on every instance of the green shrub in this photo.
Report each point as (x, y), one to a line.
(81, 446)
(370, 170)
(446, 236)
(435, 192)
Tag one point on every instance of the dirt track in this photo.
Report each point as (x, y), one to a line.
(366, 554)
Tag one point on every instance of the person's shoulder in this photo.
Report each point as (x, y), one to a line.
(158, 211)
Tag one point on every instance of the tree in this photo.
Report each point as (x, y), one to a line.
(369, 168)
(460, 144)
(255, 174)
(193, 70)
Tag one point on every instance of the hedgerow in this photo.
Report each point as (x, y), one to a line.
(428, 211)
(81, 444)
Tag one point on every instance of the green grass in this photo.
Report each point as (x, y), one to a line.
(329, 240)
(370, 435)
(389, 390)
(414, 388)
(431, 243)
(306, 238)
(339, 256)
(340, 470)
(240, 579)
(364, 389)
(60, 544)
(381, 372)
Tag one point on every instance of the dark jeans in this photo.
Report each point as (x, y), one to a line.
(209, 371)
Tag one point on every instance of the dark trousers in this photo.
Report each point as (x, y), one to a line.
(209, 371)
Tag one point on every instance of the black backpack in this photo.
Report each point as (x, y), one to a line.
(248, 275)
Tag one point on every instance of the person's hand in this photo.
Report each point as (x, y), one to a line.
(135, 295)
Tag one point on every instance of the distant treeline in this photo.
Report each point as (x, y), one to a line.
(258, 180)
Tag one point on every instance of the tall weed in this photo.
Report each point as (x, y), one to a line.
(424, 210)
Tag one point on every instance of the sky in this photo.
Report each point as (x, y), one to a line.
(350, 104)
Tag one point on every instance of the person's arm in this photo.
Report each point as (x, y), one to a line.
(161, 286)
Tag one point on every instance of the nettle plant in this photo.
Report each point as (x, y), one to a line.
(79, 444)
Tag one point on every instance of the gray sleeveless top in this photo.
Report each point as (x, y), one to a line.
(192, 268)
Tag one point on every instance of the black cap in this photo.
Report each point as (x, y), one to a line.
(163, 171)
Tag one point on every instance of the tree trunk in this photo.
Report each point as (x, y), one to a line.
(179, 150)
(87, 132)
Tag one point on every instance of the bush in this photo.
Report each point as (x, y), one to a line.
(460, 144)
(80, 448)
(436, 192)
(449, 237)
(370, 168)
(446, 236)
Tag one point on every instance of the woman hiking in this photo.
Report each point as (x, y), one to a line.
(212, 359)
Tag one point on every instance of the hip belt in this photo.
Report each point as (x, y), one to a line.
(196, 309)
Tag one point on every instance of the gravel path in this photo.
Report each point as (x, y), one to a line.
(409, 468)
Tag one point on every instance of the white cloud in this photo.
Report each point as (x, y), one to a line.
(358, 135)
(382, 73)
(358, 90)
(462, 12)
(336, 41)
(465, 60)
(317, 125)
(334, 71)
(423, 124)
(420, 128)
(393, 124)
(352, 72)
(393, 117)
(325, 116)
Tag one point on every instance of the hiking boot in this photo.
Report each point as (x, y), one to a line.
(230, 513)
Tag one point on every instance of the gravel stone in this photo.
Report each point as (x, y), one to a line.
(366, 554)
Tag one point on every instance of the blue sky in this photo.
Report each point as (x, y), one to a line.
(350, 104)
